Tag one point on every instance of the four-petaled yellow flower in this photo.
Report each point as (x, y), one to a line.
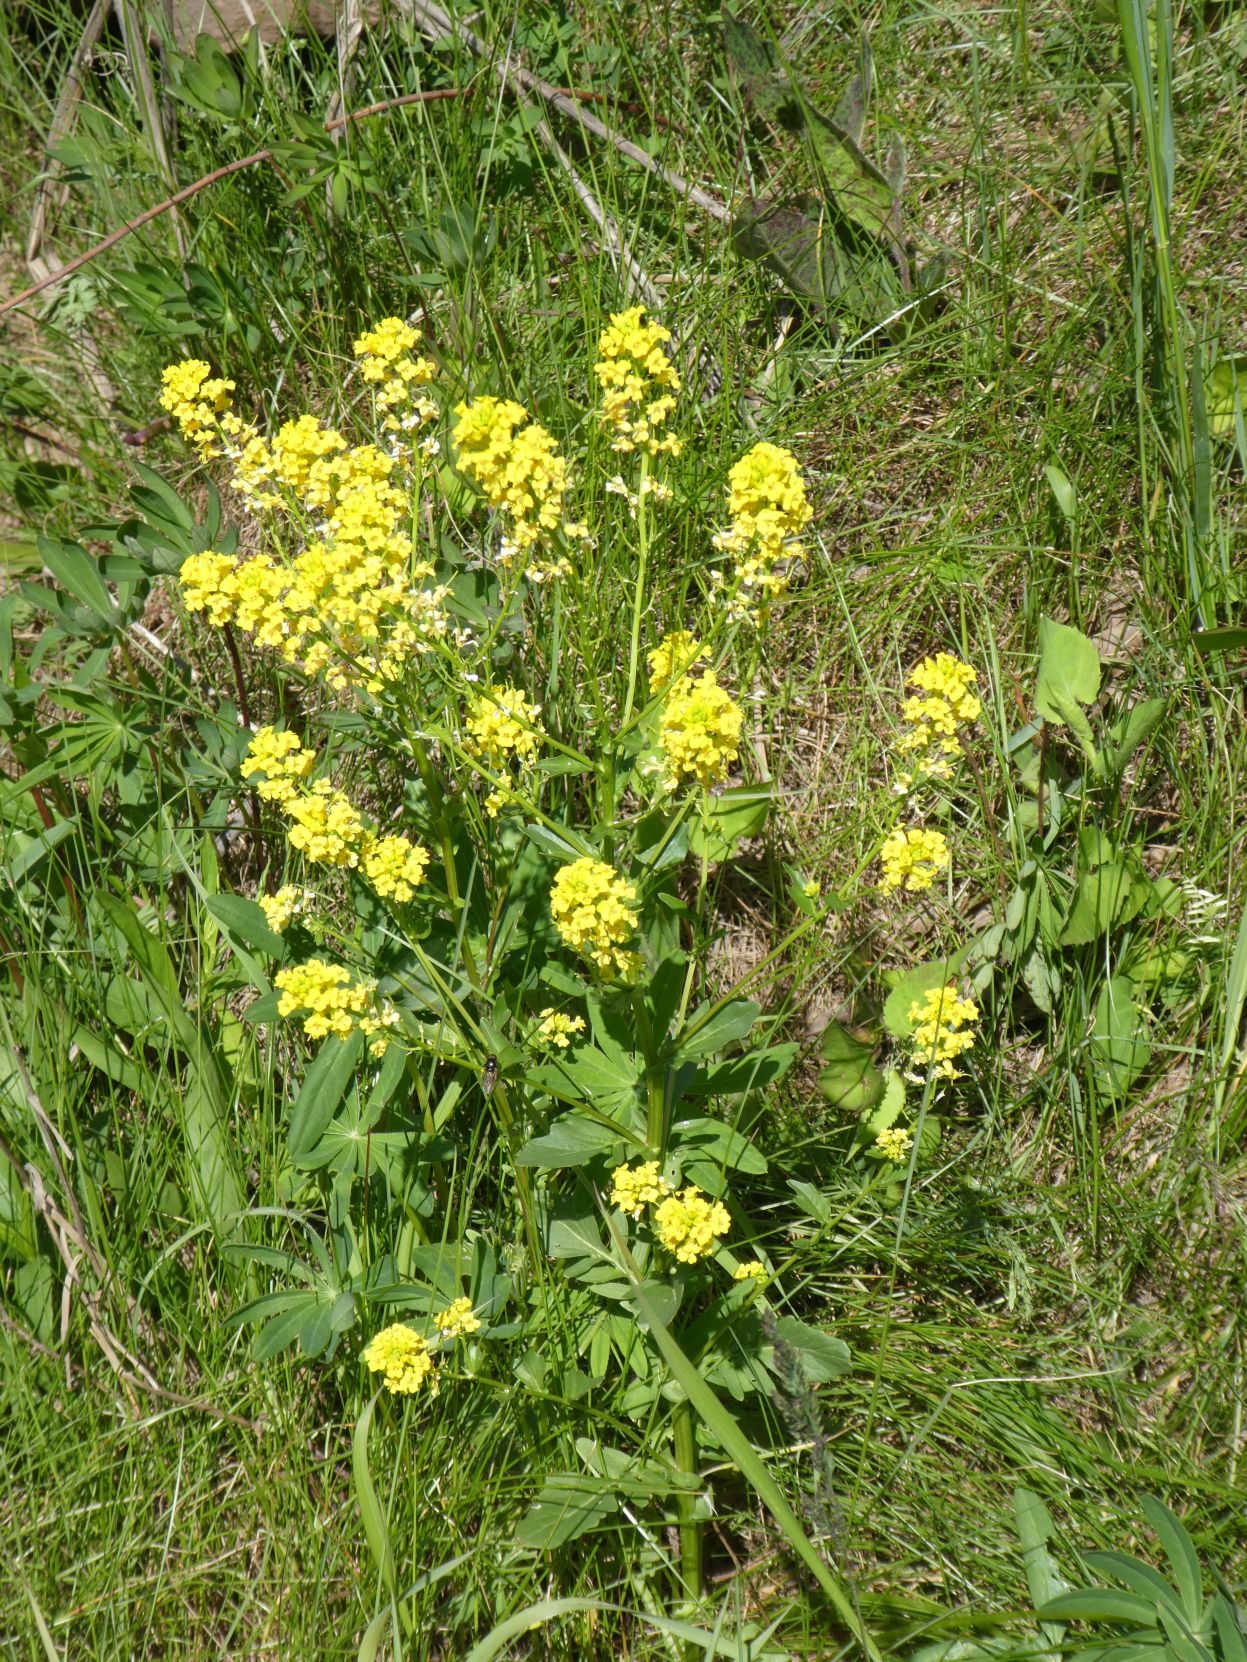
(767, 501)
(894, 1143)
(457, 1320)
(635, 1187)
(196, 400)
(751, 1270)
(332, 1004)
(912, 859)
(931, 741)
(326, 826)
(699, 731)
(673, 657)
(394, 866)
(401, 1356)
(943, 1029)
(516, 465)
(638, 382)
(595, 911)
(689, 1225)
(502, 724)
(288, 903)
(278, 763)
(554, 1028)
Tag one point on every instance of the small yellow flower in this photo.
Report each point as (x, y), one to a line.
(457, 1320)
(912, 859)
(751, 1270)
(554, 1028)
(699, 731)
(673, 657)
(635, 1187)
(331, 1004)
(944, 1029)
(594, 910)
(894, 1143)
(401, 1356)
(689, 1225)
(205, 583)
(394, 866)
(326, 827)
(946, 677)
(503, 724)
(281, 908)
(277, 762)
(638, 383)
(515, 463)
(947, 702)
(196, 402)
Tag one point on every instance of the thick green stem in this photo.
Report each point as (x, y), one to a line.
(685, 1428)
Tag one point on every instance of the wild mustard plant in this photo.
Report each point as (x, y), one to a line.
(450, 841)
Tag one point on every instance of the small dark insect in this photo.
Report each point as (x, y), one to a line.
(489, 1074)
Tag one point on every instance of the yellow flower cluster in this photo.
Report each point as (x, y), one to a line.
(912, 859)
(633, 1188)
(554, 1028)
(946, 702)
(325, 826)
(674, 656)
(282, 908)
(278, 763)
(394, 866)
(767, 503)
(401, 1356)
(353, 603)
(751, 1270)
(457, 1320)
(196, 401)
(595, 912)
(689, 1225)
(699, 731)
(894, 1143)
(503, 725)
(638, 382)
(944, 1029)
(388, 365)
(515, 464)
(330, 1003)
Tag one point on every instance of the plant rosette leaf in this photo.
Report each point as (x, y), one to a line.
(913, 985)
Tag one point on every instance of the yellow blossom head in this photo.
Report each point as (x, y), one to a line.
(401, 1356)
(635, 1187)
(516, 465)
(282, 908)
(912, 859)
(674, 656)
(554, 1029)
(595, 911)
(394, 866)
(894, 1143)
(944, 1025)
(277, 763)
(458, 1320)
(331, 1004)
(638, 382)
(699, 731)
(689, 1225)
(503, 724)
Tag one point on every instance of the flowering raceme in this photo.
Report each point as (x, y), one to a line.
(196, 401)
(401, 1356)
(332, 1004)
(393, 865)
(943, 1030)
(326, 826)
(458, 1320)
(387, 364)
(767, 501)
(894, 1143)
(633, 1188)
(674, 656)
(912, 859)
(689, 1225)
(278, 763)
(515, 464)
(947, 702)
(595, 912)
(282, 908)
(699, 731)
(638, 383)
(555, 1029)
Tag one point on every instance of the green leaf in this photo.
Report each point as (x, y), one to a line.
(712, 1140)
(1069, 670)
(79, 575)
(849, 1080)
(376, 1529)
(708, 1030)
(1225, 393)
(1035, 1530)
(1099, 1604)
(246, 919)
(1125, 736)
(1231, 639)
(324, 1085)
(1180, 1552)
(1119, 1046)
(727, 819)
(569, 1504)
(1098, 902)
(823, 1356)
(572, 1140)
